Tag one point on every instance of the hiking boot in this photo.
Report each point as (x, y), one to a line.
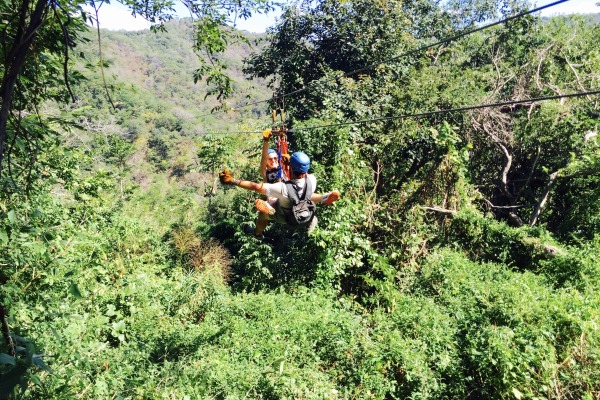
(330, 198)
(251, 231)
(264, 207)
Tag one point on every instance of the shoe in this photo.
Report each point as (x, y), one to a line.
(264, 207)
(330, 198)
(251, 231)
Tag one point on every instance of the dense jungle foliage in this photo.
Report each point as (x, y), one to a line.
(460, 263)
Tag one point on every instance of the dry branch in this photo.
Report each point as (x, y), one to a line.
(542, 203)
(440, 210)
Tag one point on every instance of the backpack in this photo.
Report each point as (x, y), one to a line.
(303, 208)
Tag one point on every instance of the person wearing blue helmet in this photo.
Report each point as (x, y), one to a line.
(300, 162)
(271, 170)
(301, 182)
(269, 161)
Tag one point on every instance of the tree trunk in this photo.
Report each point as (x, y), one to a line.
(15, 61)
(6, 332)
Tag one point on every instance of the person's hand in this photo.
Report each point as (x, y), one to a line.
(267, 134)
(285, 158)
(226, 178)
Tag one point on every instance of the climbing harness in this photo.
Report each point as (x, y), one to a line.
(280, 133)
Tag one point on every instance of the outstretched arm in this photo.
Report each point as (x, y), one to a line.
(248, 185)
(227, 179)
(316, 197)
(327, 198)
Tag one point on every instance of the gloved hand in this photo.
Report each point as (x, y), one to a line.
(267, 134)
(226, 178)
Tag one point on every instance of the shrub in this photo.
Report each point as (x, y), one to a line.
(205, 255)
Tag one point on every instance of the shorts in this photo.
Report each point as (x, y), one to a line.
(279, 216)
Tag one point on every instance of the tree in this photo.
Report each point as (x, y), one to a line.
(340, 63)
(38, 36)
(324, 41)
(118, 151)
(213, 152)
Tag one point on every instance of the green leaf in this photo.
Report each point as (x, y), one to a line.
(19, 339)
(12, 217)
(36, 380)
(517, 393)
(3, 236)
(74, 290)
(37, 248)
(7, 359)
(37, 360)
(20, 143)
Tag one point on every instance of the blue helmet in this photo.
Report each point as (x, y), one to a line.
(271, 151)
(300, 162)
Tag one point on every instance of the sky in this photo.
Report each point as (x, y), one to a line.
(116, 17)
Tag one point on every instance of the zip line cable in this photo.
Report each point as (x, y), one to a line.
(443, 41)
(236, 108)
(428, 113)
(231, 133)
(411, 52)
(465, 108)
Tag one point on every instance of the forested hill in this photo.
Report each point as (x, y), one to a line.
(148, 112)
(462, 260)
(157, 70)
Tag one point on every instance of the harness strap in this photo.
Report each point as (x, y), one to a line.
(293, 190)
(282, 148)
(273, 175)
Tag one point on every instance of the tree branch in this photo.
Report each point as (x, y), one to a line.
(506, 167)
(440, 210)
(100, 59)
(542, 203)
(581, 87)
(489, 203)
(6, 331)
(67, 45)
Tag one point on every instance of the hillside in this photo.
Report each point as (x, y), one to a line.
(462, 260)
(159, 68)
(159, 113)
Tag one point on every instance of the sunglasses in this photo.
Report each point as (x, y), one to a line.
(272, 158)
